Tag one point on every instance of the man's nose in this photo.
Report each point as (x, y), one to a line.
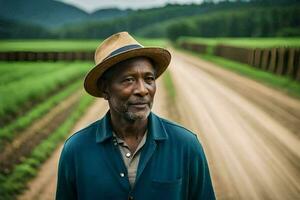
(140, 88)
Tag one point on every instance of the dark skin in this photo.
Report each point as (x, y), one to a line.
(130, 90)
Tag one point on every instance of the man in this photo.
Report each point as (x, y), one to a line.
(131, 153)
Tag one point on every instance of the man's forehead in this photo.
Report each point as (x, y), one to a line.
(131, 65)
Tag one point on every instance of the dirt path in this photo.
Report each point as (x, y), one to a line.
(44, 185)
(249, 132)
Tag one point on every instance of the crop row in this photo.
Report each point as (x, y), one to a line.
(25, 92)
(10, 131)
(13, 183)
(16, 71)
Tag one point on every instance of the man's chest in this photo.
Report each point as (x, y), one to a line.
(103, 173)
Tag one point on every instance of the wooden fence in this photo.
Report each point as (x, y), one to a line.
(280, 61)
(46, 56)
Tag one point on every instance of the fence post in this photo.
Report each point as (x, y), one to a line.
(272, 66)
(297, 64)
(251, 57)
(257, 58)
(281, 64)
(265, 59)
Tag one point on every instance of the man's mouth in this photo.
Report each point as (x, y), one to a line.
(139, 104)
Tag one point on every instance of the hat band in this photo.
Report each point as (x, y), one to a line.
(123, 49)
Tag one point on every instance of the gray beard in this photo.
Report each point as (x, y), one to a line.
(130, 116)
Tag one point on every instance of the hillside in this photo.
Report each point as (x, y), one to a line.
(65, 21)
(52, 14)
(47, 13)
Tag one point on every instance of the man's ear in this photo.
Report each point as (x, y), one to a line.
(103, 87)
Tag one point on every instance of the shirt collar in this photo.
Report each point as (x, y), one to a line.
(156, 130)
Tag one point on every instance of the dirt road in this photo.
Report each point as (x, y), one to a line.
(250, 133)
(252, 154)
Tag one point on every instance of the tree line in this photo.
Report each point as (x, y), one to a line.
(256, 18)
(256, 22)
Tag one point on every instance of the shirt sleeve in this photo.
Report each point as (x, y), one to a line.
(200, 182)
(66, 189)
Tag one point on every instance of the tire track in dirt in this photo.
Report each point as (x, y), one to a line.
(251, 153)
(43, 186)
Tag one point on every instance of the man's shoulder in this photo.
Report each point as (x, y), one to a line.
(177, 130)
(183, 137)
(80, 137)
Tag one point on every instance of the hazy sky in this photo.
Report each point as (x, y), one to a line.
(91, 5)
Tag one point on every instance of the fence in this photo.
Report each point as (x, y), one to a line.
(280, 61)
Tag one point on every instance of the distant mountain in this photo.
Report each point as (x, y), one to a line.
(10, 29)
(61, 20)
(47, 13)
(109, 13)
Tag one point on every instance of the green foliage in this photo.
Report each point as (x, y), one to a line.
(46, 13)
(14, 29)
(10, 131)
(168, 81)
(15, 182)
(224, 18)
(18, 93)
(253, 22)
(63, 45)
(244, 42)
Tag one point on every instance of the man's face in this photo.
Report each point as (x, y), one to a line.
(131, 88)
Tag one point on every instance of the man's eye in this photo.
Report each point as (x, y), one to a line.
(150, 78)
(129, 80)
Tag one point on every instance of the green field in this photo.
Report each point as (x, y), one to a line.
(28, 91)
(64, 45)
(18, 88)
(245, 42)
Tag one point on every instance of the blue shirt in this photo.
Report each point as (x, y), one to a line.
(172, 165)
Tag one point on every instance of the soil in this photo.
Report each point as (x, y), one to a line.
(250, 132)
(15, 151)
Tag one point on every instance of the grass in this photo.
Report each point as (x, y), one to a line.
(168, 82)
(48, 45)
(24, 91)
(285, 84)
(10, 72)
(15, 182)
(65, 45)
(246, 42)
(7, 133)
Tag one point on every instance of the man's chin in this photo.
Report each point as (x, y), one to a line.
(141, 115)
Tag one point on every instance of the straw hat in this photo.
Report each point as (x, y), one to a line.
(119, 47)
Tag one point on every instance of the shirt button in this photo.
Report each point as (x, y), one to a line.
(122, 174)
(128, 155)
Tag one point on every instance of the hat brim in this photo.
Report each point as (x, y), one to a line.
(161, 58)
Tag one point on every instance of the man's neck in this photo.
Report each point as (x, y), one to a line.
(126, 129)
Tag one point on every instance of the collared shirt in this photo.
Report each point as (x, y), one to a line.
(172, 165)
(131, 160)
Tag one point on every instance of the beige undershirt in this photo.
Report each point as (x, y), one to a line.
(131, 161)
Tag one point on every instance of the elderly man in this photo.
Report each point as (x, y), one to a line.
(131, 153)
